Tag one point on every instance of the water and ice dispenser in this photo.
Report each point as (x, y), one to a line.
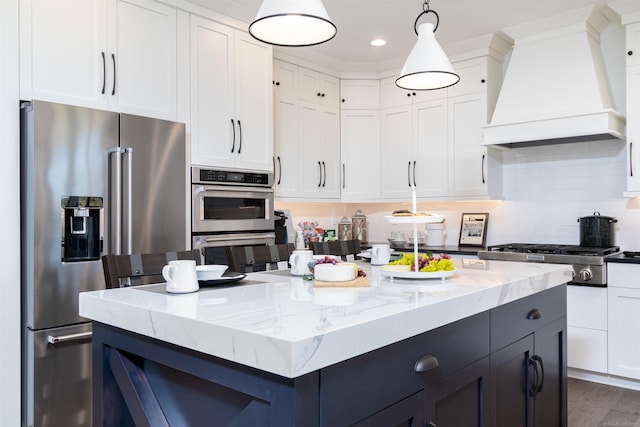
(82, 228)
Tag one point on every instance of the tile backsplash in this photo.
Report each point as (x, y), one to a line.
(545, 188)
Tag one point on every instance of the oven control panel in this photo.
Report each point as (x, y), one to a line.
(217, 176)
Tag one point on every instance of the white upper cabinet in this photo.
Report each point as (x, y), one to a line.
(63, 51)
(307, 135)
(393, 96)
(633, 131)
(231, 98)
(318, 88)
(633, 44)
(360, 155)
(92, 53)
(359, 94)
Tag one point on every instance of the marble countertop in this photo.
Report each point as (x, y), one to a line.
(282, 324)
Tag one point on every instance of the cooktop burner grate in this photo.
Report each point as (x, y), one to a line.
(536, 248)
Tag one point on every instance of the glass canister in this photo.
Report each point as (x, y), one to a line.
(344, 229)
(359, 226)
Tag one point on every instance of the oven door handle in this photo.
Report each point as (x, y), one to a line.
(231, 188)
(236, 237)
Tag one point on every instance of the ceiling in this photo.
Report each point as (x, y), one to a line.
(360, 21)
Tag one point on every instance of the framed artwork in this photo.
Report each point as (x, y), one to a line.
(473, 229)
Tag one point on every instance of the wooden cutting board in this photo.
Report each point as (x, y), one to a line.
(358, 282)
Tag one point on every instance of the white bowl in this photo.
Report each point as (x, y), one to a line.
(210, 271)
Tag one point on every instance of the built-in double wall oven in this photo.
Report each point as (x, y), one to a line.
(230, 208)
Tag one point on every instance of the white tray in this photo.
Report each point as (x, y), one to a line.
(417, 219)
(417, 275)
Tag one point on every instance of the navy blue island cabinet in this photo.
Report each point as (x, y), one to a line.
(502, 367)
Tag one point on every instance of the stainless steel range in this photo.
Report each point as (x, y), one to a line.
(589, 266)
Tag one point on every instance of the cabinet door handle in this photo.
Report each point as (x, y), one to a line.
(631, 159)
(104, 73)
(279, 170)
(414, 173)
(113, 58)
(344, 178)
(319, 174)
(534, 314)
(483, 159)
(409, 173)
(538, 383)
(240, 132)
(426, 363)
(324, 174)
(233, 127)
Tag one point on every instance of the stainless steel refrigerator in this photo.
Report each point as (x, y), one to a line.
(93, 182)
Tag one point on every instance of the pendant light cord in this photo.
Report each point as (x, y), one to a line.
(425, 11)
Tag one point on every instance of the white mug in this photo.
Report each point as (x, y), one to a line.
(299, 261)
(181, 276)
(380, 254)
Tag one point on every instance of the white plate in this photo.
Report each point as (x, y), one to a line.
(417, 275)
(417, 219)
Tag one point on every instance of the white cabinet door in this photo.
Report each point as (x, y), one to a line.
(288, 149)
(468, 158)
(320, 156)
(145, 81)
(231, 98)
(63, 51)
(587, 328)
(397, 153)
(431, 148)
(360, 154)
(624, 338)
(318, 88)
(253, 103)
(633, 128)
(212, 93)
(285, 80)
(633, 45)
(359, 94)
(393, 96)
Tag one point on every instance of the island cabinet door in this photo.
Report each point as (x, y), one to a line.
(461, 399)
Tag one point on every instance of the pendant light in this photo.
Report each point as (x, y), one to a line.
(427, 66)
(292, 23)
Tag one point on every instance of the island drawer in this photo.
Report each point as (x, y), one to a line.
(512, 321)
(357, 386)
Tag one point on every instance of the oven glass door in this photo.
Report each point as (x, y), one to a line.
(230, 208)
(213, 247)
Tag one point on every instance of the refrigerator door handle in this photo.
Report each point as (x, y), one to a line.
(129, 200)
(115, 192)
(66, 338)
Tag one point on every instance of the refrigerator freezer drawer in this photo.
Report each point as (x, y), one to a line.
(58, 376)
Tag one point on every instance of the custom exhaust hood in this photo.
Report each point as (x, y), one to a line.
(556, 88)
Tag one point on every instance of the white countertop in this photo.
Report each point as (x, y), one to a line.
(281, 324)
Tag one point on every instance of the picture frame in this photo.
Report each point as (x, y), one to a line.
(473, 229)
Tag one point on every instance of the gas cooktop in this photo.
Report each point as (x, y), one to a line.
(554, 249)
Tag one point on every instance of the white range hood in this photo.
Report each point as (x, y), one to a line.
(555, 88)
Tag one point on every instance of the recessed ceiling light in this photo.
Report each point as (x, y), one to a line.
(378, 42)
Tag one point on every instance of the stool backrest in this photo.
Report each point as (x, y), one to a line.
(140, 269)
(247, 259)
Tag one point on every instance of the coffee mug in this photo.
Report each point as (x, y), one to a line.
(299, 261)
(380, 254)
(181, 276)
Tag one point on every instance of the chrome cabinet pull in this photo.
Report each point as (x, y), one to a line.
(631, 159)
(66, 338)
(344, 178)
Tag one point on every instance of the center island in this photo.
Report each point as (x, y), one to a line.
(485, 347)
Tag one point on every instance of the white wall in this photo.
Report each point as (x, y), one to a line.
(546, 189)
(9, 217)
